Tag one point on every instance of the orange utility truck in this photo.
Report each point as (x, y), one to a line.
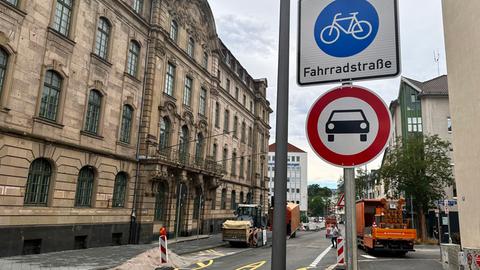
(381, 226)
(292, 218)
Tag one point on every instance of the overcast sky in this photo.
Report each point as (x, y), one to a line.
(250, 29)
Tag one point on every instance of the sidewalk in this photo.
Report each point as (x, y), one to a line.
(104, 257)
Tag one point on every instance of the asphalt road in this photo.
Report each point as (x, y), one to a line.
(310, 250)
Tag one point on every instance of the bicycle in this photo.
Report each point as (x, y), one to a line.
(358, 29)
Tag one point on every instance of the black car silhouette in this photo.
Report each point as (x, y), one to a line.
(347, 122)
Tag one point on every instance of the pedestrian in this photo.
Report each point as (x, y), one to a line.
(335, 233)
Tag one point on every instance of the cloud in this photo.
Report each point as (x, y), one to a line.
(250, 29)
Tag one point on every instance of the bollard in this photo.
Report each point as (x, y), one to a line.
(163, 248)
(340, 253)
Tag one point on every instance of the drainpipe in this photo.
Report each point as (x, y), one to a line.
(134, 230)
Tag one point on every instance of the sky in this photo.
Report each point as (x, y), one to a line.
(249, 28)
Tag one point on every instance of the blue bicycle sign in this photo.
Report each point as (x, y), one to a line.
(346, 27)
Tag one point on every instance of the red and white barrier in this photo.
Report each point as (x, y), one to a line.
(340, 252)
(163, 248)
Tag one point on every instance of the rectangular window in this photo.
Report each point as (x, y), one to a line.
(170, 79)
(251, 106)
(244, 100)
(228, 85)
(132, 60)
(187, 92)
(236, 93)
(226, 121)
(12, 2)
(203, 101)
(449, 124)
(63, 14)
(138, 6)
(217, 115)
(413, 98)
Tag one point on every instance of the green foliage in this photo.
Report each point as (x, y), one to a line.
(418, 166)
(318, 200)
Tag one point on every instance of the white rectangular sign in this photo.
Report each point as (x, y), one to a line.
(346, 40)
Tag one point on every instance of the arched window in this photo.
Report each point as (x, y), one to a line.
(38, 183)
(3, 67)
(226, 121)
(183, 145)
(197, 203)
(174, 30)
(234, 164)
(217, 114)
(199, 148)
(83, 196)
(160, 202)
(127, 119)
(235, 126)
(93, 112)
(241, 197)
(165, 127)
(119, 190)
(52, 87)
(103, 38)
(133, 56)
(191, 47)
(224, 158)
(223, 202)
(233, 200)
(244, 131)
(63, 16)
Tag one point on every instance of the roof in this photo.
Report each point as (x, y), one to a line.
(437, 86)
(291, 148)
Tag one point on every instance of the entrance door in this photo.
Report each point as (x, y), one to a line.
(182, 203)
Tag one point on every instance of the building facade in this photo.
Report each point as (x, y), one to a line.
(297, 175)
(463, 55)
(107, 113)
(423, 108)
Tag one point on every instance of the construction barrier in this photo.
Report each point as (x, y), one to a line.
(163, 248)
(340, 252)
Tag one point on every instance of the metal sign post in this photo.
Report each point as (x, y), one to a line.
(279, 249)
(350, 225)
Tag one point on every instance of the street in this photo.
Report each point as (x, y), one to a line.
(308, 251)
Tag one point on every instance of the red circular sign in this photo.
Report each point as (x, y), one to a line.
(377, 145)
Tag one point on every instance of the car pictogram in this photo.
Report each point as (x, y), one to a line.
(347, 122)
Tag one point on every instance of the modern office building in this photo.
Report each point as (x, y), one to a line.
(297, 173)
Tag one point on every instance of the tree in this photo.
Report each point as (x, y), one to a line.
(318, 200)
(418, 166)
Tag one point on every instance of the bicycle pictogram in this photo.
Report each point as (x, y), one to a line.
(359, 29)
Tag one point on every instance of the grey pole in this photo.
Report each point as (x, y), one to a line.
(350, 213)
(279, 250)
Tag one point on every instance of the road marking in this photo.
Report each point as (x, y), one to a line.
(320, 257)
(252, 266)
(203, 265)
(369, 257)
(305, 268)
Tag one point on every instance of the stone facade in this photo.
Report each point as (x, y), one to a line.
(127, 69)
(230, 160)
